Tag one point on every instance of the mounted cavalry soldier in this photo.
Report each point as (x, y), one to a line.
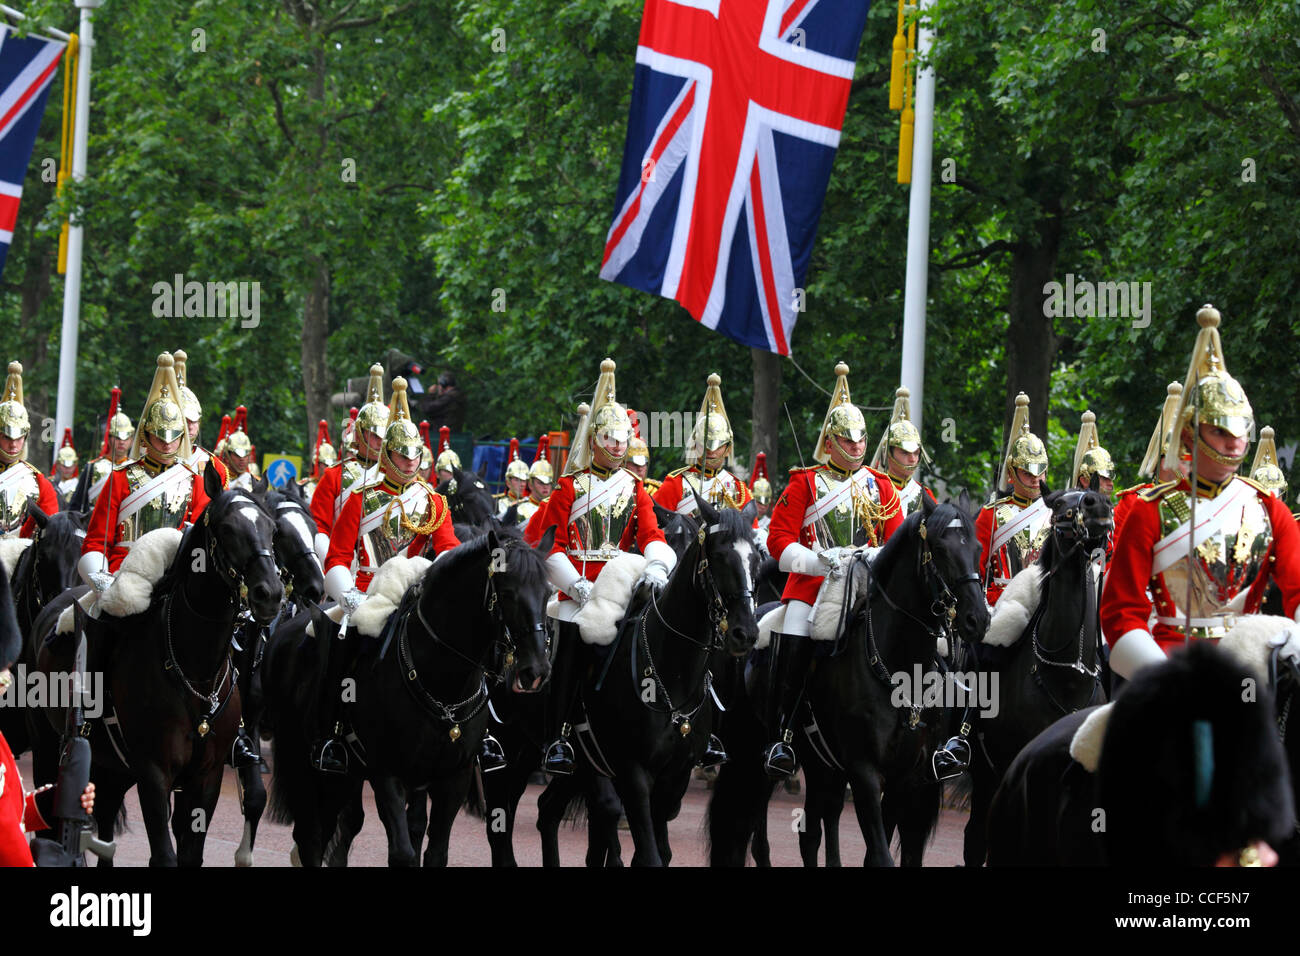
(1091, 459)
(825, 515)
(239, 453)
(638, 457)
(516, 492)
(193, 413)
(119, 433)
(760, 487)
(539, 485)
(339, 481)
(540, 480)
(447, 459)
(599, 510)
(1013, 528)
(1153, 461)
(394, 514)
(21, 483)
(709, 453)
(323, 457)
(64, 475)
(426, 454)
(1199, 550)
(900, 453)
(1265, 471)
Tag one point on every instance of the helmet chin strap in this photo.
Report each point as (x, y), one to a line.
(1226, 460)
(852, 461)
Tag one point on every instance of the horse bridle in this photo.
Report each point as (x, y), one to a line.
(233, 578)
(286, 576)
(1074, 523)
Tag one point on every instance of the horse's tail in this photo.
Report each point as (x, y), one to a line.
(279, 805)
(957, 793)
(475, 802)
(119, 822)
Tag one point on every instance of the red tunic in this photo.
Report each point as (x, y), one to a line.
(642, 527)
(102, 535)
(1126, 602)
(985, 525)
(537, 524)
(1122, 505)
(787, 527)
(346, 542)
(17, 812)
(670, 492)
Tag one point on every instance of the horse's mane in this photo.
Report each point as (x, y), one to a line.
(523, 561)
(905, 536)
(732, 526)
(221, 503)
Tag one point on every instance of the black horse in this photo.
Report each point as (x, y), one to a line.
(1054, 668)
(417, 706)
(650, 711)
(470, 502)
(1191, 772)
(169, 676)
(876, 729)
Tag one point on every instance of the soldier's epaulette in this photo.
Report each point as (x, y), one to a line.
(676, 472)
(1254, 484)
(127, 464)
(499, 494)
(1156, 492)
(1131, 491)
(798, 468)
(1006, 500)
(35, 470)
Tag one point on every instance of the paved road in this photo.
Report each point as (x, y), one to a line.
(469, 845)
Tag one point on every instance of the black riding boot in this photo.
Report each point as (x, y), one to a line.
(792, 654)
(715, 755)
(954, 759)
(559, 757)
(242, 751)
(330, 753)
(491, 755)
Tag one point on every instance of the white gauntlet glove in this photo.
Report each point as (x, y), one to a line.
(580, 591)
(100, 580)
(352, 600)
(655, 574)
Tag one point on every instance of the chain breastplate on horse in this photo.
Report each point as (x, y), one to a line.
(164, 510)
(1027, 543)
(1226, 564)
(390, 538)
(14, 496)
(601, 528)
(854, 519)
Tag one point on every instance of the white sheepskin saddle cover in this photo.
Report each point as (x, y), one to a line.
(610, 594)
(1085, 746)
(142, 568)
(824, 620)
(1014, 609)
(391, 582)
(773, 620)
(11, 549)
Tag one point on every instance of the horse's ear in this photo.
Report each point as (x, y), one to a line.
(547, 541)
(493, 540)
(212, 486)
(1043, 487)
(749, 512)
(36, 514)
(259, 488)
(963, 502)
(511, 515)
(1094, 483)
(708, 513)
(663, 515)
(927, 505)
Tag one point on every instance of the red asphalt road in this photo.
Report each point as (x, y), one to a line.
(469, 845)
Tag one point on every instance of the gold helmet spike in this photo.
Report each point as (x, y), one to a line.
(607, 418)
(541, 466)
(402, 437)
(1266, 469)
(14, 422)
(843, 418)
(516, 467)
(1160, 437)
(1024, 449)
(1209, 393)
(1089, 457)
(374, 414)
(189, 401)
(579, 432)
(712, 426)
(900, 432)
(162, 415)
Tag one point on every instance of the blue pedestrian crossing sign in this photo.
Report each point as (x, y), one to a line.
(281, 469)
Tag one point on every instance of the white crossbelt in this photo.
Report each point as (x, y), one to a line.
(408, 500)
(610, 488)
(858, 482)
(150, 490)
(1209, 519)
(1004, 534)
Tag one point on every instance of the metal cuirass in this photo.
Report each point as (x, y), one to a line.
(14, 496)
(1027, 543)
(909, 497)
(165, 510)
(1226, 564)
(390, 537)
(854, 521)
(599, 531)
(717, 490)
(527, 508)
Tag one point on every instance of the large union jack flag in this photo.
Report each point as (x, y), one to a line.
(27, 66)
(736, 113)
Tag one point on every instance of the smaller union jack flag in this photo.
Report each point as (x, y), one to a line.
(736, 113)
(27, 67)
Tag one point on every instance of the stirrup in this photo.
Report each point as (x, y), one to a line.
(242, 752)
(330, 757)
(779, 760)
(715, 755)
(560, 758)
(491, 755)
(953, 760)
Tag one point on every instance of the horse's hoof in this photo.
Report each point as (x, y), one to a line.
(294, 858)
(243, 858)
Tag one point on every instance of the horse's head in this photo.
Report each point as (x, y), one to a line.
(470, 502)
(55, 549)
(240, 545)
(1081, 518)
(517, 593)
(724, 574)
(950, 556)
(295, 531)
(678, 530)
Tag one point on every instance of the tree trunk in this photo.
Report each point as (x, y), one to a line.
(35, 289)
(1031, 339)
(766, 418)
(315, 333)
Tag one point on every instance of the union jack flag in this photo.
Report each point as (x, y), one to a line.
(736, 113)
(27, 66)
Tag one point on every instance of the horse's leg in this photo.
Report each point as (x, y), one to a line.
(110, 793)
(831, 810)
(634, 789)
(916, 817)
(350, 820)
(975, 838)
(390, 801)
(761, 847)
(551, 804)
(502, 790)
(156, 806)
(603, 812)
(866, 782)
(252, 800)
(192, 817)
(665, 804)
(810, 826)
(417, 816)
(445, 798)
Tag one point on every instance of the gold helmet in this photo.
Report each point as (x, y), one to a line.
(402, 436)
(843, 418)
(608, 420)
(447, 459)
(1164, 428)
(1025, 449)
(759, 485)
(323, 455)
(712, 427)
(638, 452)
(1210, 394)
(1089, 457)
(162, 416)
(190, 406)
(67, 454)
(347, 430)
(238, 442)
(900, 433)
(516, 467)
(541, 470)
(14, 422)
(374, 414)
(1266, 471)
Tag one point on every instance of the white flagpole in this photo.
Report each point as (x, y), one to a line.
(918, 230)
(67, 397)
